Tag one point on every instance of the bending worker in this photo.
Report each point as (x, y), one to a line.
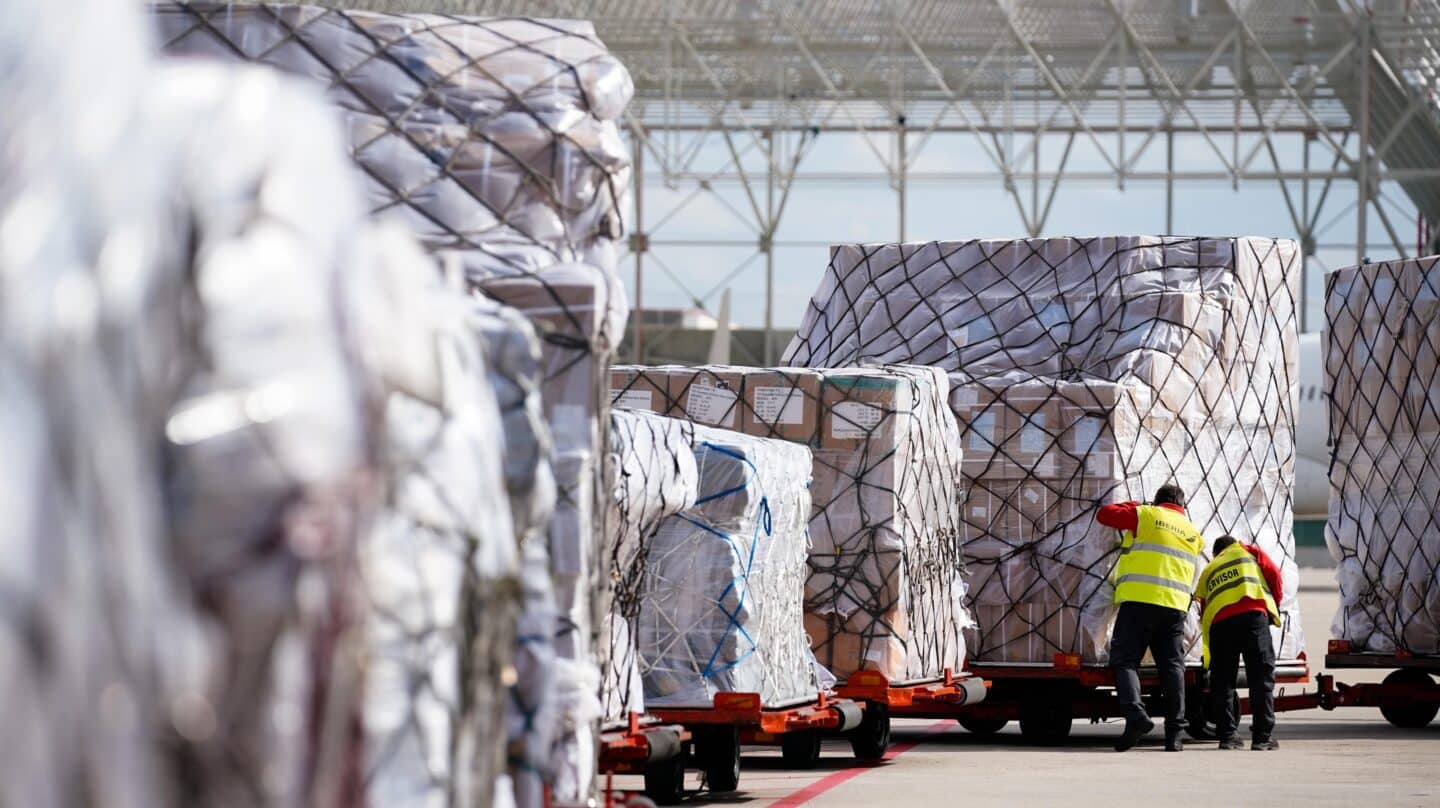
(1159, 556)
(1238, 594)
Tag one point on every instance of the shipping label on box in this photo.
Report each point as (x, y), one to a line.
(712, 405)
(782, 404)
(854, 420)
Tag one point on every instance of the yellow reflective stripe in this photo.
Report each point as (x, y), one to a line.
(1141, 578)
(1156, 547)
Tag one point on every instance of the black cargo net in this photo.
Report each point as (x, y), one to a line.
(1384, 390)
(654, 478)
(495, 137)
(1083, 372)
(495, 141)
(885, 586)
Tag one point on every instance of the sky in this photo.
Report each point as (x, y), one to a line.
(822, 211)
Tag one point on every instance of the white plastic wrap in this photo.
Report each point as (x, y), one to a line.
(496, 137)
(886, 587)
(441, 577)
(1085, 371)
(1382, 379)
(654, 477)
(721, 605)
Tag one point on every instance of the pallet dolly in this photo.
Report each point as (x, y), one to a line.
(642, 743)
(733, 719)
(946, 697)
(1046, 699)
(1408, 697)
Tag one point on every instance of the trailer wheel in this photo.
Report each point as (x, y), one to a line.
(719, 753)
(800, 750)
(870, 740)
(982, 726)
(665, 780)
(1045, 721)
(1409, 714)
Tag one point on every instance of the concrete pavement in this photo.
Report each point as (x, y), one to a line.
(1350, 756)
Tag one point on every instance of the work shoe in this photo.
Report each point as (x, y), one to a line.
(1232, 742)
(1264, 745)
(1174, 740)
(1135, 729)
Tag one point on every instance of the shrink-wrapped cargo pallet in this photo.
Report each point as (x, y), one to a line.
(722, 590)
(655, 477)
(1085, 371)
(1382, 377)
(885, 588)
(213, 433)
(495, 140)
(440, 575)
(493, 137)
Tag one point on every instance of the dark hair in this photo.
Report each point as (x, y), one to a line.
(1223, 543)
(1170, 494)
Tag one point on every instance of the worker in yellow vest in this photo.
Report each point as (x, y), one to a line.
(1239, 596)
(1160, 554)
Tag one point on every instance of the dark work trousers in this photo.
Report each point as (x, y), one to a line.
(1244, 635)
(1144, 625)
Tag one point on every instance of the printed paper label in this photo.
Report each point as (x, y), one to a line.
(854, 419)
(633, 399)
(779, 405)
(711, 405)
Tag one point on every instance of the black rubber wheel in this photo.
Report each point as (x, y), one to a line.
(640, 802)
(870, 740)
(1409, 714)
(1046, 722)
(719, 753)
(982, 726)
(800, 750)
(1199, 722)
(665, 780)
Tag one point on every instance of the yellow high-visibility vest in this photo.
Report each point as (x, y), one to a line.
(1233, 576)
(1158, 561)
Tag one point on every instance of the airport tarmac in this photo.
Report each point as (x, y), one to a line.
(1350, 756)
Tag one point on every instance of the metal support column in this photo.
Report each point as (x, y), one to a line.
(638, 245)
(1307, 238)
(767, 245)
(901, 170)
(1362, 200)
(1169, 182)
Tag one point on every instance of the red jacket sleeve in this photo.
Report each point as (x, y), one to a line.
(1270, 570)
(1120, 515)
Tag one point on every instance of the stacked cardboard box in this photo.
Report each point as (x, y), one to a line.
(1383, 382)
(885, 587)
(1085, 371)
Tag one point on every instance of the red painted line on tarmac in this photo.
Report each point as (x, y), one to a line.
(830, 781)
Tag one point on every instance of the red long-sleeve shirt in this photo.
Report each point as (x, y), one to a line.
(1123, 516)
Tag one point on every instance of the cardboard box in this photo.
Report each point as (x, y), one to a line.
(858, 407)
(708, 395)
(634, 388)
(782, 403)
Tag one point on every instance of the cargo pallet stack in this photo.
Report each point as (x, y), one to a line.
(705, 627)
(495, 143)
(884, 590)
(1083, 371)
(1382, 379)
